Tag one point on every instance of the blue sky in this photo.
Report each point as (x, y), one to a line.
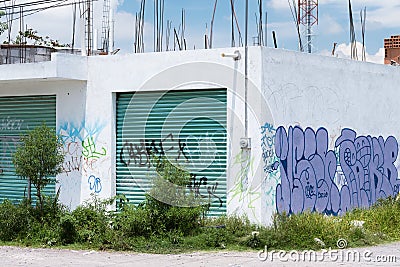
(383, 20)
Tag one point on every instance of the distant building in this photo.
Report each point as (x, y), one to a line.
(392, 50)
(26, 53)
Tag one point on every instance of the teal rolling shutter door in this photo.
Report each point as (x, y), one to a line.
(17, 116)
(189, 127)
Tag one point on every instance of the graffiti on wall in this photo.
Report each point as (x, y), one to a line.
(90, 151)
(196, 184)
(308, 170)
(242, 192)
(8, 145)
(10, 124)
(270, 163)
(139, 154)
(95, 184)
(79, 132)
(268, 133)
(81, 148)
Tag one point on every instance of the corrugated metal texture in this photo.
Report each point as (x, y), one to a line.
(17, 116)
(188, 127)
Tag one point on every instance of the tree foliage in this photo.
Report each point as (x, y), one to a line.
(39, 158)
(3, 25)
(30, 36)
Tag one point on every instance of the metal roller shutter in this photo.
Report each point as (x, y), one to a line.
(188, 127)
(17, 116)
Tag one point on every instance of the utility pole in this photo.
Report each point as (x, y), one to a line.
(308, 17)
(87, 18)
(105, 27)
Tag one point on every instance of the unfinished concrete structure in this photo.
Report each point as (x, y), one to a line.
(392, 50)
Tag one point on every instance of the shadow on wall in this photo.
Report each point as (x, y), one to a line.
(359, 171)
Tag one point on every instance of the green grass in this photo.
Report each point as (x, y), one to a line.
(185, 230)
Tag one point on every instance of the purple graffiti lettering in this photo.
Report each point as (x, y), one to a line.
(308, 170)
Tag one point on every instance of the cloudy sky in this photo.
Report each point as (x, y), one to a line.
(383, 20)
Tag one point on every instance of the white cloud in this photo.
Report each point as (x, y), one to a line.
(328, 25)
(124, 26)
(285, 31)
(344, 51)
(344, 3)
(57, 23)
(278, 4)
(379, 13)
(54, 22)
(378, 57)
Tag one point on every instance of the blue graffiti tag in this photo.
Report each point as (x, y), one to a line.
(308, 170)
(94, 184)
(70, 131)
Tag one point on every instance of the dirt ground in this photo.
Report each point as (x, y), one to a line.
(383, 255)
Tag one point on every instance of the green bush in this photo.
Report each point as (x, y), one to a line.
(133, 221)
(91, 222)
(156, 218)
(381, 218)
(45, 234)
(182, 219)
(168, 206)
(234, 225)
(299, 231)
(38, 159)
(159, 227)
(15, 220)
(68, 233)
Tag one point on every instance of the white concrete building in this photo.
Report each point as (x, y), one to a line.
(322, 130)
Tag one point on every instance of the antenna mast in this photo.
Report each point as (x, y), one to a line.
(87, 15)
(106, 26)
(308, 17)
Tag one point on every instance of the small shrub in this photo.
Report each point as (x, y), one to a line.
(39, 158)
(234, 225)
(15, 220)
(133, 221)
(68, 233)
(182, 219)
(90, 225)
(253, 241)
(175, 237)
(215, 237)
(168, 206)
(42, 233)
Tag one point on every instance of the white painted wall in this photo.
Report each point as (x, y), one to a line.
(316, 91)
(201, 69)
(70, 105)
(285, 89)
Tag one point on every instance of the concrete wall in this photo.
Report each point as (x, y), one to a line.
(298, 105)
(348, 155)
(12, 54)
(71, 98)
(202, 69)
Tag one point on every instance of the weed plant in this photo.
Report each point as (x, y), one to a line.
(165, 223)
(153, 228)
